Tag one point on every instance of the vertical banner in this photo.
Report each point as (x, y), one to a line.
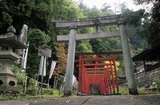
(25, 57)
(73, 80)
(44, 69)
(53, 65)
(41, 65)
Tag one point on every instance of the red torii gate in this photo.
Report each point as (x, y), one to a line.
(98, 71)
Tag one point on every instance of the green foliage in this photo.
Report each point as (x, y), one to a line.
(83, 46)
(141, 90)
(14, 12)
(123, 90)
(61, 57)
(60, 80)
(32, 82)
(106, 44)
(7, 97)
(150, 27)
(6, 19)
(134, 21)
(37, 14)
(133, 18)
(98, 45)
(158, 84)
(32, 91)
(49, 94)
(36, 38)
(93, 12)
(142, 1)
(144, 91)
(48, 91)
(154, 27)
(21, 77)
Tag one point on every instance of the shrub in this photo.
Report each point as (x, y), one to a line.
(32, 82)
(32, 91)
(48, 91)
(123, 90)
(142, 90)
(158, 84)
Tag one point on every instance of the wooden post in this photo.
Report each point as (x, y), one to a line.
(42, 74)
(70, 62)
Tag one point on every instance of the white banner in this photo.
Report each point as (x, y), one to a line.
(53, 65)
(42, 66)
(25, 55)
(44, 69)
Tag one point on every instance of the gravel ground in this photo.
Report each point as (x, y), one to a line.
(91, 100)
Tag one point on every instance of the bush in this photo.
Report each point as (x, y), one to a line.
(142, 90)
(32, 91)
(48, 91)
(32, 82)
(158, 84)
(21, 76)
(123, 90)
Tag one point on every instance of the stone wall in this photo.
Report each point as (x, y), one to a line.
(145, 79)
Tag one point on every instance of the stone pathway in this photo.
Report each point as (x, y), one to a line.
(91, 100)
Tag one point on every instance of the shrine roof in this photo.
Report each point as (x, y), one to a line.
(152, 54)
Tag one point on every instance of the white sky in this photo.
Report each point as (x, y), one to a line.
(114, 3)
(99, 3)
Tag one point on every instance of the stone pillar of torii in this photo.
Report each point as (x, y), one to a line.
(96, 22)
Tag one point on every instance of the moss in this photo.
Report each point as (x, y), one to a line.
(123, 90)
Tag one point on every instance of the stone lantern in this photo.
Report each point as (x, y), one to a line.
(10, 45)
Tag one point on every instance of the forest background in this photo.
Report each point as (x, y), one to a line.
(143, 28)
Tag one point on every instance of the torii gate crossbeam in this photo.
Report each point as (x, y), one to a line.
(90, 36)
(72, 37)
(89, 22)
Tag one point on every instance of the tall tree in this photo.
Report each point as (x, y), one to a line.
(61, 54)
(151, 27)
(105, 44)
(40, 38)
(154, 34)
(37, 14)
(133, 20)
(142, 1)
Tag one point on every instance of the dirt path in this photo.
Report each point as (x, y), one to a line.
(91, 100)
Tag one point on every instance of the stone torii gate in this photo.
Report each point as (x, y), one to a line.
(96, 22)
